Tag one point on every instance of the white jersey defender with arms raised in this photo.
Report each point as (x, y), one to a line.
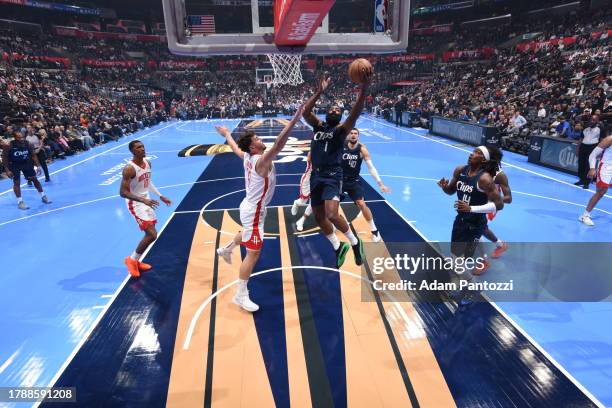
(259, 192)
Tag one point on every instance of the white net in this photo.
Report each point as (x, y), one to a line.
(286, 69)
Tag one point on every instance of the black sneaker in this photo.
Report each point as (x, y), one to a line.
(358, 252)
(341, 254)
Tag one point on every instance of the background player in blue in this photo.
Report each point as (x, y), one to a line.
(354, 153)
(477, 196)
(326, 150)
(19, 157)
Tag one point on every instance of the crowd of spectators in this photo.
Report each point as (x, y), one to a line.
(60, 116)
(557, 91)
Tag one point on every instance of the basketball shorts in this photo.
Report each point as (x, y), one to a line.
(144, 215)
(466, 235)
(252, 219)
(26, 168)
(324, 187)
(604, 175)
(353, 189)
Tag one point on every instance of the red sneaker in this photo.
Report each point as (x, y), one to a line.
(143, 267)
(132, 266)
(499, 250)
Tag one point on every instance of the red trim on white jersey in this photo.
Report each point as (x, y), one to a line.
(305, 182)
(604, 174)
(255, 241)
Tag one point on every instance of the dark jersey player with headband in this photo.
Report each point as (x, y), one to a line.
(476, 196)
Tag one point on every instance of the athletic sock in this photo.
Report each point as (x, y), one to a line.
(351, 237)
(19, 200)
(499, 243)
(230, 247)
(334, 240)
(586, 213)
(372, 225)
(308, 211)
(135, 256)
(42, 194)
(242, 286)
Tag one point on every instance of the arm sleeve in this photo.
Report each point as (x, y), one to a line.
(154, 189)
(594, 155)
(483, 209)
(373, 171)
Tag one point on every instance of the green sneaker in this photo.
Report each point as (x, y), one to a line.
(341, 254)
(358, 252)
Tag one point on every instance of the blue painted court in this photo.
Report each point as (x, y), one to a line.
(67, 301)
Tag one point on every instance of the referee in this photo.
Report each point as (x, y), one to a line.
(18, 157)
(590, 138)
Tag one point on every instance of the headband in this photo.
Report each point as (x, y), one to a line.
(485, 152)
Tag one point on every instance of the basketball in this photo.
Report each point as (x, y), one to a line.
(357, 69)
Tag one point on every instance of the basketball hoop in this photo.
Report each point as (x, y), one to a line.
(286, 69)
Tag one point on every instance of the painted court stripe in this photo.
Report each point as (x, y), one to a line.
(100, 316)
(188, 371)
(408, 329)
(372, 374)
(299, 391)
(529, 338)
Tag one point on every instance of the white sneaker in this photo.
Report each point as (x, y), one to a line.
(376, 237)
(294, 207)
(586, 220)
(225, 254)
(243, 300)
(300, 224)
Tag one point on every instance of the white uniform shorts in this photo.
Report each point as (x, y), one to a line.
(144, 215)
(252, 219)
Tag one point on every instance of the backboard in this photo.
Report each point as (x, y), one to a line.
(246, 27)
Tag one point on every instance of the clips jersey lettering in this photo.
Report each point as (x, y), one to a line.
(323, 136)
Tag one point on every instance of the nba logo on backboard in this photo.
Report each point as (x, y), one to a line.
(380, 16)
